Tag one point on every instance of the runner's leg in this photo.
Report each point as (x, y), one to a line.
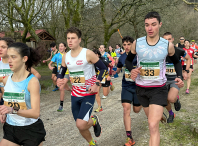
(5, 142)
(154, 117)
(189, 78)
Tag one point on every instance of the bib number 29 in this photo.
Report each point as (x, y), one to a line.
(13, 104)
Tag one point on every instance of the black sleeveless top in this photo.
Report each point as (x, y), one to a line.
(181, 46)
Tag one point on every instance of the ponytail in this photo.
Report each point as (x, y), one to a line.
(33, 54)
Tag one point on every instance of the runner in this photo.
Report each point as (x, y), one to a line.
(181, 44)
(173, 94)
(58, 59)
(195, 48)
(54, 71)
(190, 52)
(105, 82)
(128, 95)
(149, 75)
(80, 63)
(119, 52)
(111, 64)
(113, 55)
(4, 66)
(21, 110)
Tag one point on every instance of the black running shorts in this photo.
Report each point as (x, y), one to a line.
(184, 67)
(107, 84)
(54, 71)
(152, 95)
(31, 135)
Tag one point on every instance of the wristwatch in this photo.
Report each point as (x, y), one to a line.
(97, 83)
(187, 71)
(180, 77)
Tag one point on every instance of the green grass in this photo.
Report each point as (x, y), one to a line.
(45, 81)
(178, 133)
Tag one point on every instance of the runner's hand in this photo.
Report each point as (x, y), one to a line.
(60, 82)
(5, 109)
(93, 89)
(113, 72)
(135, 72)
(51, 68)
(2, 118)
(185, 75)
(44, 61)
(179, 83)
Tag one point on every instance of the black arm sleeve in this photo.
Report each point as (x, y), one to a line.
(129, 61)
(102, 68)
(177, 65)
(62, 72)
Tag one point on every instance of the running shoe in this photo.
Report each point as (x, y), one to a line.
(129, 142)
(171, 118)
(95, 144)
(112, 87)
(99, 109)
(55, 89)
(60, 109)
(104, 97)
(97, 127)
(164, 118)
(187, 91)
(177, 105)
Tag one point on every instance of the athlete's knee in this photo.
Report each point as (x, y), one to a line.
(136, 109)
(126, 110)
(80, 125)
(172, 99)
(153, 126)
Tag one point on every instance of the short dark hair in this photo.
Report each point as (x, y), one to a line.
(74, 30)
(8, 41)
(118, 45)
(96, 51)
(53, 44)
(167, 33)
(127, 39)
(186, 40)
(153, 15)
(63, 44)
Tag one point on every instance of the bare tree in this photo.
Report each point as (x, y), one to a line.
(28, 12)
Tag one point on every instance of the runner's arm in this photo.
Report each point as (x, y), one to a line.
(50, 65)
(92, 58)
(35, 73)
(111, 58)
(130, 57)
(176, 45)
(188, 61)
(63, 68)
(175, 60)
(119, 66)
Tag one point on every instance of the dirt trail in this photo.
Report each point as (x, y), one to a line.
(61, 129)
